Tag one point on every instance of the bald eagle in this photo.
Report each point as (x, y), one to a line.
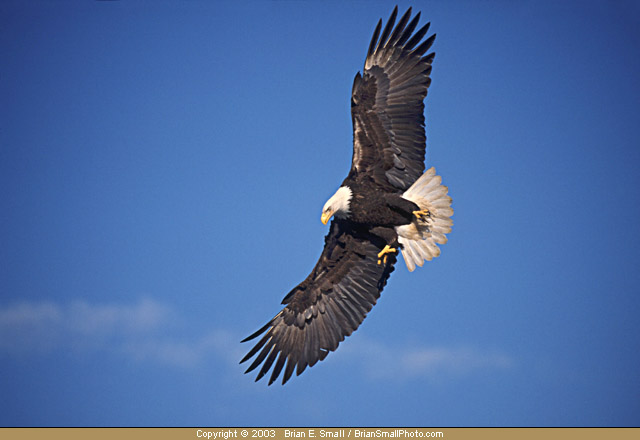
(386, 203)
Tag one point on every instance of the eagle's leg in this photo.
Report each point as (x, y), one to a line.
(390, 237)
(382, 256)
(422, 214)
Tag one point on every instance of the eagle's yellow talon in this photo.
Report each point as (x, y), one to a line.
(422, 213)
(382, 256)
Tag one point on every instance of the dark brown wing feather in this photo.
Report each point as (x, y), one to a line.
(326, 307)
(387, 107)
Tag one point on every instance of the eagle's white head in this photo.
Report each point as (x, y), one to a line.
(338, 205)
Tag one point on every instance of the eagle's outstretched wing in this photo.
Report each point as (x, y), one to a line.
(326, 307)
(387, 107)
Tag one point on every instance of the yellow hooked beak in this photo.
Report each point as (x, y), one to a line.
(326, 216)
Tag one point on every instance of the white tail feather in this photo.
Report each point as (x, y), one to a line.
(419, 238)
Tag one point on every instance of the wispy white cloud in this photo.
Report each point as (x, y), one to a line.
(186, 353)
(91, 319)
(140, 331)
(27, 327)
(402, 362)
(146, 332)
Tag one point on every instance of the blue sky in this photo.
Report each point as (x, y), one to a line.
(163, 166)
